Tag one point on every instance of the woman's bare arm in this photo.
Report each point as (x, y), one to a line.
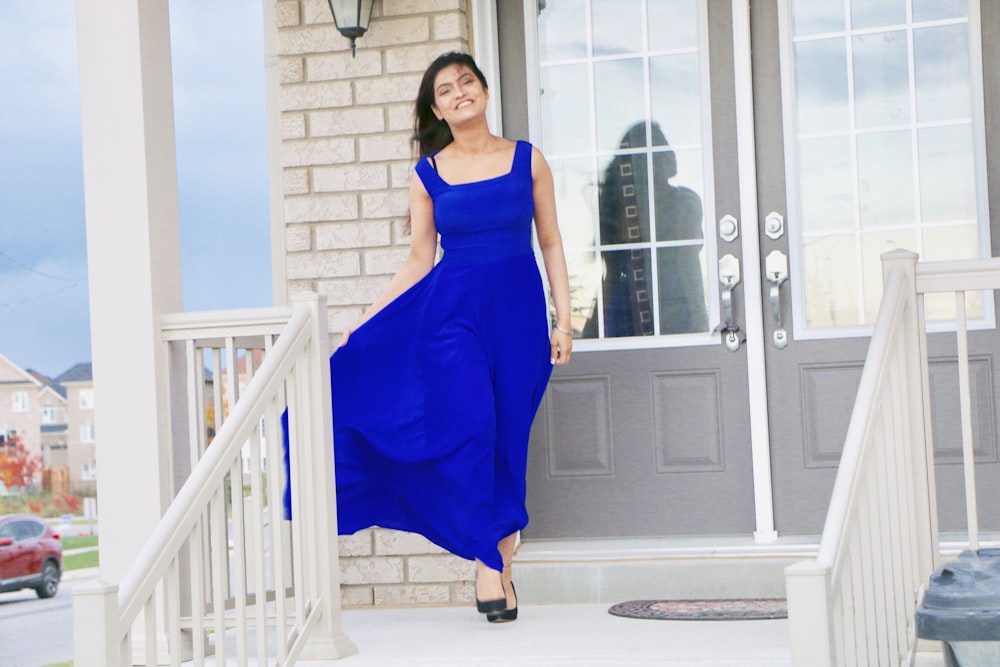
(423, 250)
(550, 243)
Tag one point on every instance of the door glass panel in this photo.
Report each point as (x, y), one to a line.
(565, 103)
(881, 144)
(941, 70)
(625, 129)
(821, 86)
(562, 30)
(831, 270)
(946, 168)
(885, 179)
(675, 92)
(628, 306)
(930, 10)
(681, 282)
(877, 13)
(881, 79)
(672, 24)
(826, 184)
(617, 24)
(619, 87)
(810, 17)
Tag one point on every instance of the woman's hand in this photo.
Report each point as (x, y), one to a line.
(562, 347)
(347, 334)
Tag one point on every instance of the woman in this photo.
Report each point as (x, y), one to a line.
(436, 386)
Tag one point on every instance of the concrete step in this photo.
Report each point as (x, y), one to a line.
(609, 571)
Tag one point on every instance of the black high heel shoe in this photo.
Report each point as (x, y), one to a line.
(505, 614)
(492, 606)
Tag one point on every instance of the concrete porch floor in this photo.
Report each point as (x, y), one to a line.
(577, 634)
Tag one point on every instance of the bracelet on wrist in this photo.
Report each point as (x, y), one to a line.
(561, 330)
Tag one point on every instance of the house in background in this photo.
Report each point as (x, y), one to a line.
(81, 432)
(20, 405)
(54, 418)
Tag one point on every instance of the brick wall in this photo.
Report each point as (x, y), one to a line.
(346, 160)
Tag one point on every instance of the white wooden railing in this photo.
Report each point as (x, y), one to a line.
(224, 564)
(855, 604)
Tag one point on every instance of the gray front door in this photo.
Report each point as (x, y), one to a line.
(642, 108)
(875, 139)
(648, 431)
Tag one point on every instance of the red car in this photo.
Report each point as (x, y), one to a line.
(30, 555)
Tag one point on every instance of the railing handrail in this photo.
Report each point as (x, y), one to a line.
(958, 275)
(169, 535)
(176, 326)
(854, 443)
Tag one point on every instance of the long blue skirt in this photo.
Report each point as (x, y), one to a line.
(433, 400)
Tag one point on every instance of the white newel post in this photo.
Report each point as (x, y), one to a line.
(133, 253)
(95, 621)
(326, 641)
(918, 397)
(810, 625)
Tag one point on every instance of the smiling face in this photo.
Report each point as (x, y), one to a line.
(458, 94)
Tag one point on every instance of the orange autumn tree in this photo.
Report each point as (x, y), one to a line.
(18, 466)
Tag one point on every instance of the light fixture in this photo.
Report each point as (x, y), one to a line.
(351, 18)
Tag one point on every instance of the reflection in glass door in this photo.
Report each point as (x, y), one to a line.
(623, 112)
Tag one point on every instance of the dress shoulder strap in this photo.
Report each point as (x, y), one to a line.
(427, 172)
(522, 157)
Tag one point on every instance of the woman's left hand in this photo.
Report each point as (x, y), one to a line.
(562, 347)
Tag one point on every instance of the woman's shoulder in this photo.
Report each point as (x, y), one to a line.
(538, 162)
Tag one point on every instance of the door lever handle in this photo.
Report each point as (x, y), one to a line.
(776, 272)
(729, 278)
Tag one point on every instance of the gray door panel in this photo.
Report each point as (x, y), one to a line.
(638, 444)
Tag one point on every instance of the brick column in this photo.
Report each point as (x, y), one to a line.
(346, 160)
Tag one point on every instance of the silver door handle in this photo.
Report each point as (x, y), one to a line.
(776, 272)
(729, 278)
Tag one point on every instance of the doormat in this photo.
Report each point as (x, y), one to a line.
(702, 610)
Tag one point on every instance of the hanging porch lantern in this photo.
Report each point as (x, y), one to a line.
(351, 18)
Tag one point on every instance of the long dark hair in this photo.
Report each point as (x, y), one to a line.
(431, 134)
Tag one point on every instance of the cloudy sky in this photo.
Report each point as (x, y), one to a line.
(222, 172)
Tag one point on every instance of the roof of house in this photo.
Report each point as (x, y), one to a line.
(82, 372)
(11, 373)
(48, 382)
(57, 389)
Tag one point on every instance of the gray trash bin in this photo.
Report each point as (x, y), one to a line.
(962, 609)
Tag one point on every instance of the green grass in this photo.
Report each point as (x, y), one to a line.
(61, 664)
(78, 541)
(80, 561)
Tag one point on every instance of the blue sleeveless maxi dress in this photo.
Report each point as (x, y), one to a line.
(434, 396)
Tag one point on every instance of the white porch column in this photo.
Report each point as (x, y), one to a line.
(133, 254)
